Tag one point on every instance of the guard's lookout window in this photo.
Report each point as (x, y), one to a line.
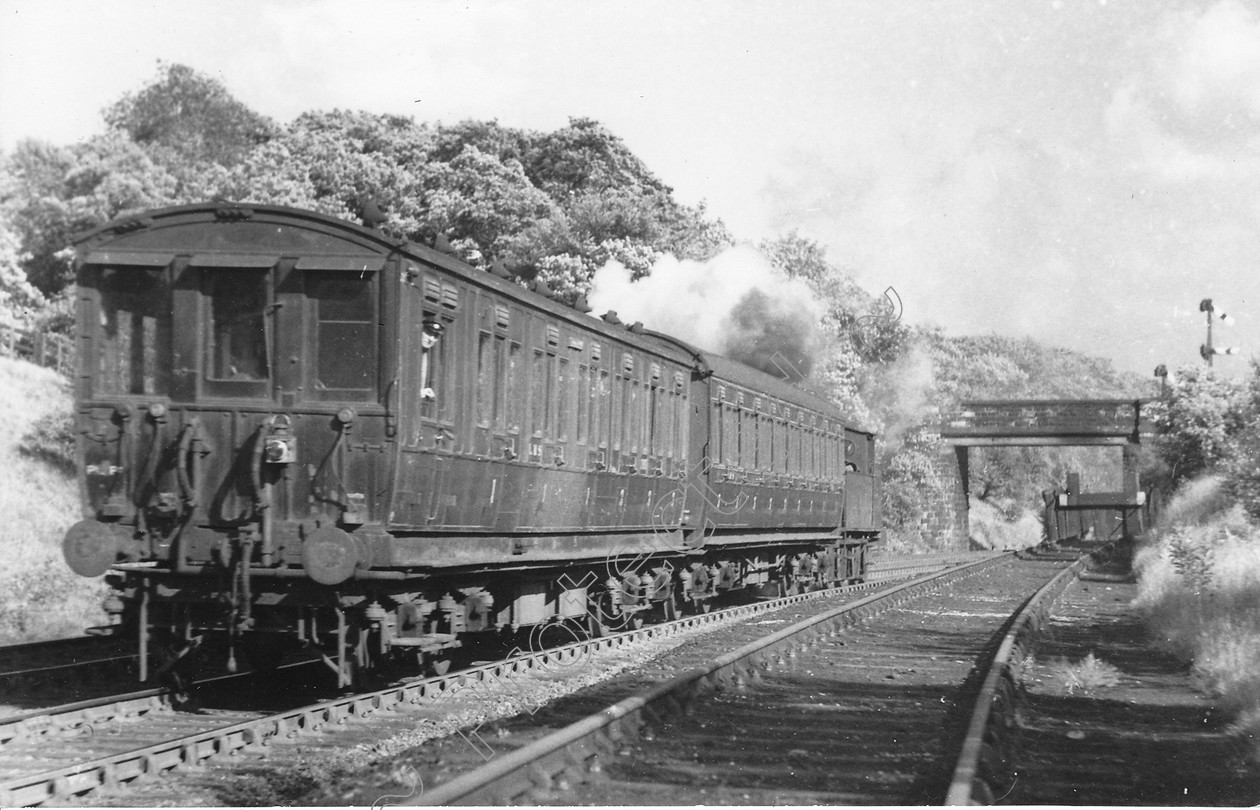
(238, 311)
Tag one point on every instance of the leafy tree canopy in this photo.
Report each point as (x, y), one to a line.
(192, 115)
(1198, 420)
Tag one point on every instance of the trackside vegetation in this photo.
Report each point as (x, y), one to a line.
(1199, 570)
(39, 596)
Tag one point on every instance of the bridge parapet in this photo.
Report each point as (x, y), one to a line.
(1045, 422)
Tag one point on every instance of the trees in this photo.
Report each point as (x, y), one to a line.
(556, 206)
(190, 116)
(55, 192)
(19, 299)
(1198, 422)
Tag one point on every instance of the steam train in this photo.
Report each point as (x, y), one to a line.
(295, 431)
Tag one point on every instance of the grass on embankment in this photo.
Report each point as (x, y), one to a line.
(1199, 588)
(39, 596)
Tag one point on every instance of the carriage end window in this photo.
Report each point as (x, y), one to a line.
(134, 341)
(239, 301)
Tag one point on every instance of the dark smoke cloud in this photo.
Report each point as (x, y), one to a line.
(768, 334)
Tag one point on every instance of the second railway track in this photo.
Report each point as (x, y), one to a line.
(838, 708)
(75, 750)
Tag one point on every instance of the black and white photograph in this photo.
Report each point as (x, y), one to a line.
(629, 403)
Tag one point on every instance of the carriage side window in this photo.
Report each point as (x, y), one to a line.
(584, 397)
(645, 417)
(765, 458)
(485, 391)
(345, 331)
(617, 404)
(715, 433)
(239, 301)
(747, 438)
(661, 428)
(781, 446)
(549, 380)
(538, 394)
(601, 391)
(752, 460)
(564, 407)
(500, 382)
(516, 388)
(730, 435)
(682, 429)
(435, 403)
(135, 337)
(634, 417)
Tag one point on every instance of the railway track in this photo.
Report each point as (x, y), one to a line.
(840, 707)
(76, 749)
(70, 670)
(45, 672)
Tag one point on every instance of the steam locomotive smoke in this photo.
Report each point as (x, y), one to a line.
(736, 304)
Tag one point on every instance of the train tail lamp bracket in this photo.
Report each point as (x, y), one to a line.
(280, 445)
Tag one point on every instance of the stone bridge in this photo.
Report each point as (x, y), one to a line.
(1056, 423)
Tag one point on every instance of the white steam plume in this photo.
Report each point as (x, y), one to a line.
(736, 304)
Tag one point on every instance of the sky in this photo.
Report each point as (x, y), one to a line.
(1083, 172)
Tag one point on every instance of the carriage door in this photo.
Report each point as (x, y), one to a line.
(428, 395)
(860, 513)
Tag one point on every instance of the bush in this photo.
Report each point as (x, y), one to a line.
(51, 439)
(1198, 422)
(913, 479)
(1087, 675)
(1242, 470)
(1199, 589)
(45, 599)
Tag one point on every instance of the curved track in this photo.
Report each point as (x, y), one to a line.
(842, 707)
(105, 742)
(39, 675)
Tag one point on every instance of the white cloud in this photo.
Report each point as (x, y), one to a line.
(1218, 66)
(1189, 109)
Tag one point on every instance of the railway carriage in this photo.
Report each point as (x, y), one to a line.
(293, 430)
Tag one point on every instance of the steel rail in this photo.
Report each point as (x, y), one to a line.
(985, 755)
(77, 715)
(569, 754)
(52, 643)
(81, 778)
(74, 716)
(19, 659)
(49, 669)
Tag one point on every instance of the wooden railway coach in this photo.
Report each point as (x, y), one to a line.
(291, 427)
